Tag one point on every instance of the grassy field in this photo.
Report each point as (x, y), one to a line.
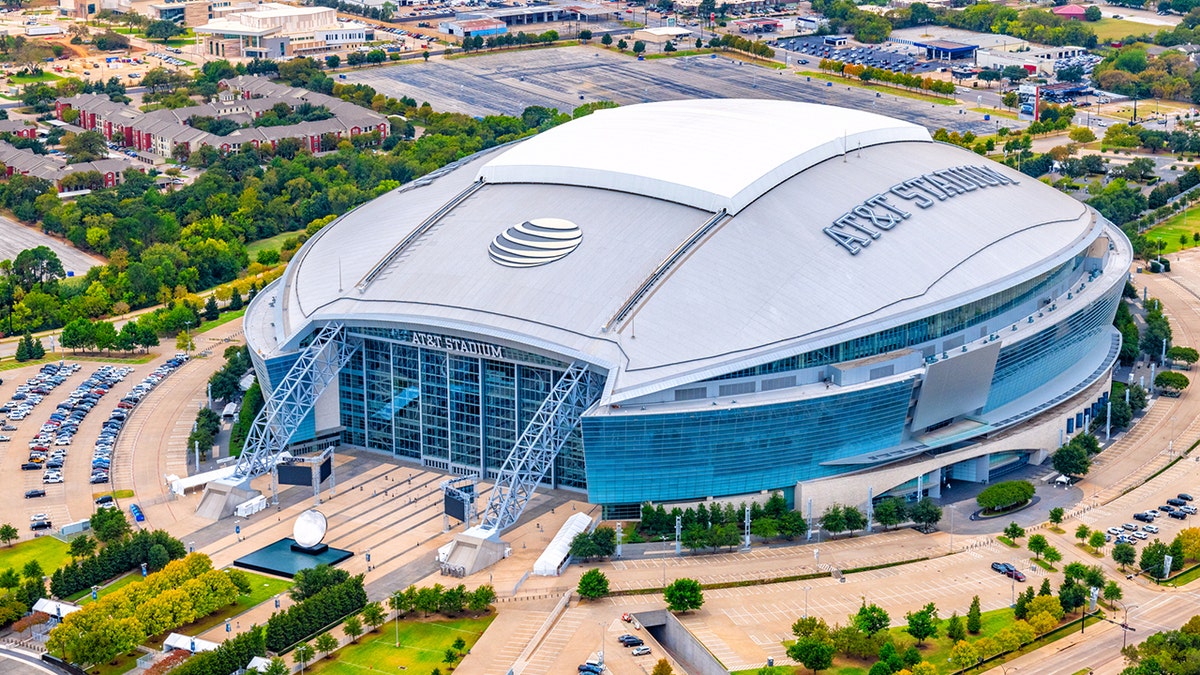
(1172, 228)
(883, 89)
(1185, 578)
(424, 644)
(222, 319)
(935, 651)
(1108, 30)
(30, 79)
(48, 551)
(270, 243)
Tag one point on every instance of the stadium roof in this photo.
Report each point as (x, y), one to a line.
(664, 150)
(705, 295)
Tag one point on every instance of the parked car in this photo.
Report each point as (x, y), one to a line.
(1175, 501)
(641, 651)
(1015, 574)
(1189, 509)
(40, 525)
(1185, 496)
(1152, 529)
(34, 494)
(1178, 515)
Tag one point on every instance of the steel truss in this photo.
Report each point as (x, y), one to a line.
(293, 398)
(534, 452)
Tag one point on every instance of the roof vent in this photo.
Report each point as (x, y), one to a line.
(535, 242)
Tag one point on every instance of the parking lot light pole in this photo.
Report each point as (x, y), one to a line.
(806, 590)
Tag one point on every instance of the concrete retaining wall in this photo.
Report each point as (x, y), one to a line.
(679, 641)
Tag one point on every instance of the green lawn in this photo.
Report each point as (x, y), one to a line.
(50, 553)
(270, 243)
(136, 358)
(1172, 228)
(1108, 30)
(1185, 578)
(423, 645)
(935, 651)
(30, 79)
(84, 597)
(118, 494)
(224, 318)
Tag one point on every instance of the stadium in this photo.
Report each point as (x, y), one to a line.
(703, 299)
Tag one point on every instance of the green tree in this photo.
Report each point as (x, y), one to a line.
(814, 653)
(1124, 555)
(622, 45)
(639, 47)
(1185, 355)
(955, 630)
(325, 643)
(353, 628)
(374, 616)
(8, 534)
(1056, 515)
(1082, 533)
(833, 520)
(302, 654)
(1038, 544)
(923, 623)
(109, 524)
(890, 512)
(1052, 555)
(333, 61)
(606, 40)
(1005, 495)
(1171, 382)
(85, 146)
(974, 617)
(871, 619)
(1152, 557)
(81, 546)
(683, 595)
(1096, 540)
(164, 30)
(925, 514)
(211, 311)
(1014, 531)
(1071, 460)
(592, 584)
(1112, 592)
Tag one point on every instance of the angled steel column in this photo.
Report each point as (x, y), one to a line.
(539, 444)
(293, 398)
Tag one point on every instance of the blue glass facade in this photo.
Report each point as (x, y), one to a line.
(736, 450)
(451, 411)
(1030, 363)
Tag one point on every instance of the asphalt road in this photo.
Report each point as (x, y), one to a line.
(15, 237)
(563, 78)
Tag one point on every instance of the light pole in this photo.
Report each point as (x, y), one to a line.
(1125, 624)
(806, 590)
(187, 329)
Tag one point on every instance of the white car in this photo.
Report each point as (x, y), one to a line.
(52, 478)
(65, 440)
(5, 439)
(38, 516)
(1141, 535)
(1152, 529)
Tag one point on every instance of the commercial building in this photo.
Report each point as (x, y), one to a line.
(661, 34)
(86, 9)
(242, 99)
(274, 30)
(473, 27)
(844, 311)
(197, 12)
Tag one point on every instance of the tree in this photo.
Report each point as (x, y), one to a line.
(814, 653)
(1014, 531)
(963, 655)
(109, 524)
(1092, 13)
(1071, 460)
(1186, 355)
(1124, 554)
(592, 584)
(663, 667)
(1014, 74)
(333, 61)
(1112, 592)
(585, 35)
(302, 654)
(925, 514)
(164, 30)
(1082, 135)
(683, 595)
(1096, 540)
(211, 311)
(639, 47)
(1005, 495)
(955, 630)
(622, 45)
(1056, 515)
(325, 643)
(833, 520)
(1082, 533)
(1171, 382)
(1152, 558)
(1038, 544)
(374, 616)
(974, 617)
(1052, 555)
(606, 40)
(85, 146)
(8, 534)
(81, 546)
(923, 623)
(853, 518)
(352, 627)
(889, 512)
(871, 619)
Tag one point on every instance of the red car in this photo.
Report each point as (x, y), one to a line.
(627, 618)
(1016, 574)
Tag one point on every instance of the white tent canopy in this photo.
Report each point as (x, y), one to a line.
(54, 608)
(188, 643)
(560, 547)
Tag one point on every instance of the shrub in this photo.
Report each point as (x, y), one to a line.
(112, 561)
(322, 609)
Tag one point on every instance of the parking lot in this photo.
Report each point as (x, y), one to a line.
(54, 415)
(508, 82)
(897, 60)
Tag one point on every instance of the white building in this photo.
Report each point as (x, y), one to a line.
(273, 30)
